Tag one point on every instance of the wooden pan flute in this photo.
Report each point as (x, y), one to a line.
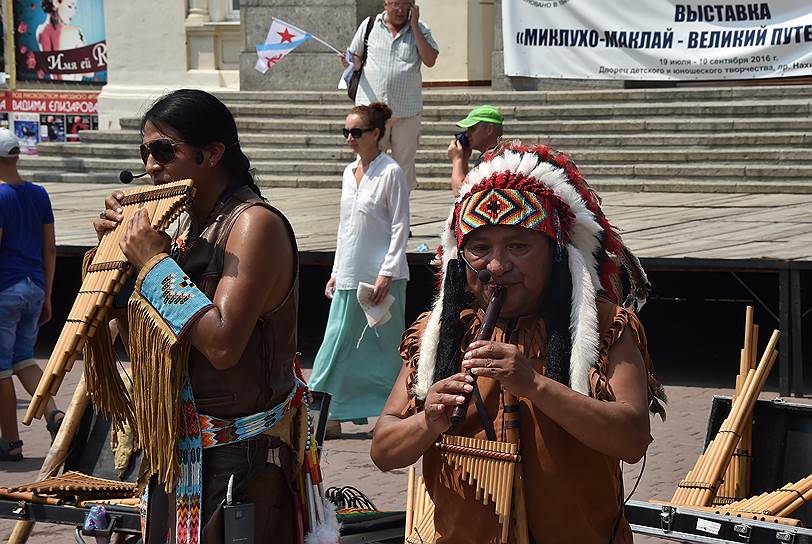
(105, 276)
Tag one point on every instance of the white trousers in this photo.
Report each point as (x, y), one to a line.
(402, 137)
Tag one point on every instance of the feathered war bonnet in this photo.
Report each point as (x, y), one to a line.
(538, 188)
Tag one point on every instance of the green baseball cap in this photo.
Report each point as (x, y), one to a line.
(488, 114)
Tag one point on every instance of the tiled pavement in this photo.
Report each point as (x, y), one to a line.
(677, 443)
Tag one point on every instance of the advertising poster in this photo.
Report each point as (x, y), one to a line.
(77, 123)
(26, 128)
(657, 39)
(60, 40)
(51, 128)
(37, 117)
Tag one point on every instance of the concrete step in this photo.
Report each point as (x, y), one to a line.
(511, 112)
(600, 167)
(471, 97)
(717, 138)
(131, 139)
(438, 154)
(638, 125)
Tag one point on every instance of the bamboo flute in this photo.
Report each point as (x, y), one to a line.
(780, 498)
(732, 513)
(748, 461)
(774, 503)
(714, 461)
(100, 286)
(734, 424)
(760, 505)
(427, 524)
(420, 497)
(795, 504)
(28, 496)
(734, 483)
(409, 500)
(518, 516)
(135, 501)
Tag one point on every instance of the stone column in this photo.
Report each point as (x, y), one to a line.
(311, 66)
(198, 12)
(499, 81)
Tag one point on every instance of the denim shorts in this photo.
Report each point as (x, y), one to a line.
(20, 307)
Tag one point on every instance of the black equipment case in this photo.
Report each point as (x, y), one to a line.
(782, 453)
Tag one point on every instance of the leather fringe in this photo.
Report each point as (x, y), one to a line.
(159, 364)
(106, 389)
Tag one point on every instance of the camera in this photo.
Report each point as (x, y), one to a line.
(462, 138)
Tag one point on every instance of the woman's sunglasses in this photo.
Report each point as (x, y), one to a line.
(355, 132)
(162, 150)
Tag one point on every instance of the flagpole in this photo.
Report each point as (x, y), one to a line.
(311, 35)
(325, 43)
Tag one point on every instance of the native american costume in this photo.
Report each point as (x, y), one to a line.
(573, 493)
(198, 425)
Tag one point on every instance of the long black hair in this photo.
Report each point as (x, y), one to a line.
(200, 119)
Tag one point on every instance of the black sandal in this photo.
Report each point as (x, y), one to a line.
(52, 425)
(6, 446)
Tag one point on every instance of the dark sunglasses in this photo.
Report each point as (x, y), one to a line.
(162, 150)
(355, 132)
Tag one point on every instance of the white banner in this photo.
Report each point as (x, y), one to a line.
(657, 39)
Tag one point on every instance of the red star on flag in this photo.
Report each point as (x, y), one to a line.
(286, 36)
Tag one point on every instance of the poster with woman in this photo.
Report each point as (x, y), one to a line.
(60, 40)
(26, 128)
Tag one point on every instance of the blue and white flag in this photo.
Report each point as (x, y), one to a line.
(282, 39)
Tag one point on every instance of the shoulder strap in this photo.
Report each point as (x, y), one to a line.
(370, 22)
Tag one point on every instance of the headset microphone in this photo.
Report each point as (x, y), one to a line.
(126, 176)
(484, 276)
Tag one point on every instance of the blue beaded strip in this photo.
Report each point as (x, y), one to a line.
(173, 295)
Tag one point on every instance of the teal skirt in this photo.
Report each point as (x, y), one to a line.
(359, 375)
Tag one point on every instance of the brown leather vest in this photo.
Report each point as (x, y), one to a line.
(263, 376)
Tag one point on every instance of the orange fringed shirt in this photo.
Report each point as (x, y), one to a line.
(573, 493)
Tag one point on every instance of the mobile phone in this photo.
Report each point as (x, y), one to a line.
(462, 138)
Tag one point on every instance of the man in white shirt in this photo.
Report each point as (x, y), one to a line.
(398, 44)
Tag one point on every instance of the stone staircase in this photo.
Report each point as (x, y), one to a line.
(714, 139)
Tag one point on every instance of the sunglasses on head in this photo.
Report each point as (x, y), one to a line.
(355, 132)
(162, 150)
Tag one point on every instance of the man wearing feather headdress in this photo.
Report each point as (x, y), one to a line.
(575, 359)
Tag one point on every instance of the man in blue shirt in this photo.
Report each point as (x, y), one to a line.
(27, 260)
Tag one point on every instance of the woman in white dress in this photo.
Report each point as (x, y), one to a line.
(357, 364)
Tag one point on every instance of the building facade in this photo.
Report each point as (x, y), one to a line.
(153, 47)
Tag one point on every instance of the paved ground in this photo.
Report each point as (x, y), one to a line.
(677, 444)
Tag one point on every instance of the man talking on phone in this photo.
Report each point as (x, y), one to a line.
(398, 44)
(483, 130)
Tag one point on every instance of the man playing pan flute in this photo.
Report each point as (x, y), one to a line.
(576, 361)
(226, 290)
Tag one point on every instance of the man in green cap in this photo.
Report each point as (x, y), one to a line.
(483, 129)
